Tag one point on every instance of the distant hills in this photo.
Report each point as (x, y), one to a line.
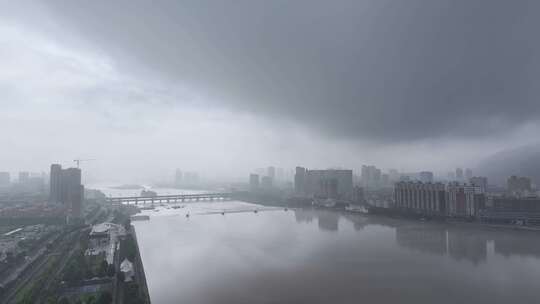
(521, 161)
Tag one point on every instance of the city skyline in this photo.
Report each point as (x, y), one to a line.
(115, 100)
(269, 151)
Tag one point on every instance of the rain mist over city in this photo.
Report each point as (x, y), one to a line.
(269, 151)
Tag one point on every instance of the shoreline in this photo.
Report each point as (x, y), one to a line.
(476, 224)
(139, 266)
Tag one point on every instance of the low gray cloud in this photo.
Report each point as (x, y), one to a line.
(378, 70)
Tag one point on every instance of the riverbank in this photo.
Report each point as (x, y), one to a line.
(381, 213)
(139, 269)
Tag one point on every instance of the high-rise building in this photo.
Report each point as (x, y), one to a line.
(394, 175)
(55, 194)
(300, 181)
(253, 182)
(5, 178)
(468, 173)
(178, 177)
(266, 182)
(66, 189)
(479, 181)
(191, 178)
(459, 174)
(280, 174)
(385, 180)
(465, 200)
(271, 172)
(371, 176)
(261, 171)
(426, 176)
(358, 195)
(23, 177)
(71, 191)
(331, 183)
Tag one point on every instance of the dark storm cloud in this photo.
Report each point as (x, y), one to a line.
(381, 70)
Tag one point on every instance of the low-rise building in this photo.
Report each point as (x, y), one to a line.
(104, 238)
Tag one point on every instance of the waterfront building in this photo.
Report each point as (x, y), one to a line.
(464, 200)
(253, 182)
(104, 239)
(299, 181)
(358, 195)
(371, 176)
(331, 183)
(513, 204)
(422, 198)
(266, 182)
(513, 210)
(191, 178)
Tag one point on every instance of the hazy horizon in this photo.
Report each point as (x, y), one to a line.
(145, 88)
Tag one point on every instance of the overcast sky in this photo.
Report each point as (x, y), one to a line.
(223, 87)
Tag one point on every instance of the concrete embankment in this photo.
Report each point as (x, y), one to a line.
(139, 269)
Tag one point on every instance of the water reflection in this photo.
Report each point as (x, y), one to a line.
(328, 220)
(289, 257)
(511, 244)
(419, 238)
(460, 243)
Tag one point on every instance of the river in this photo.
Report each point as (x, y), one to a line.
(316, 256)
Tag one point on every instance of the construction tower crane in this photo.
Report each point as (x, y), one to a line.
(78, 161)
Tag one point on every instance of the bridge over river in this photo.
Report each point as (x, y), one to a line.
(169, 198)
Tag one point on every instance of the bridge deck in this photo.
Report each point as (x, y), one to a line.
(173, 197)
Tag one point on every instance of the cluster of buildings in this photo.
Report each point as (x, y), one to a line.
(453, 199)
(267, 178)
(40, 197)
(187, 178)
(14, 244)
(25, 182)
(66, 189)
(519, 205)
(462, 195)
(328, 184)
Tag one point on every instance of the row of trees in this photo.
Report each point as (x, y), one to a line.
(104, 297)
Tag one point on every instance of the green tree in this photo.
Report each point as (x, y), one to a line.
(110, 270)
(102, 269)
(63, 300)
(104, 298)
